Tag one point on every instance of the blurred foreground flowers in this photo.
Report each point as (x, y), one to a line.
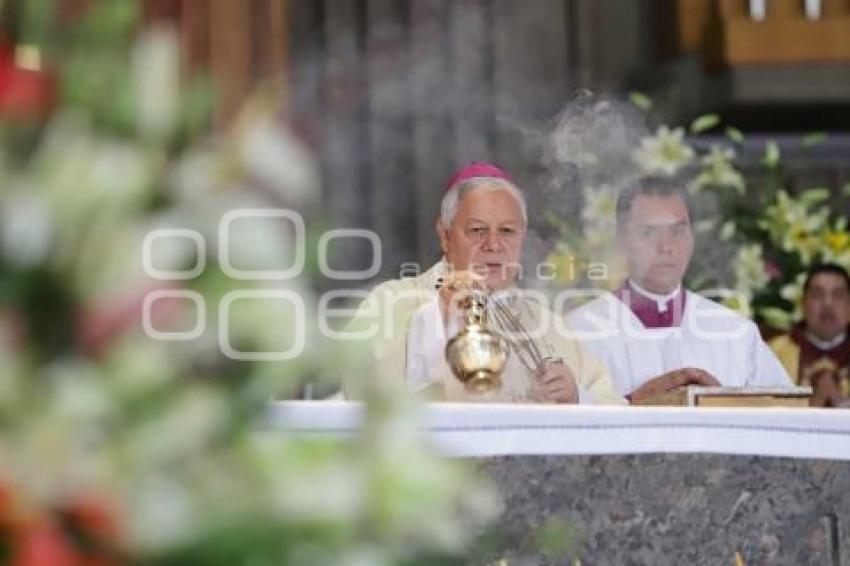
(119, 444)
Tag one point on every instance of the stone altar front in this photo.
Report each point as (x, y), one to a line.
(671, 509)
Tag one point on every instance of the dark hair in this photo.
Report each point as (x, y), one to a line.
(832, 268)
(654, 186)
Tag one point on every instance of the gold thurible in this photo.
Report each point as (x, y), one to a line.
(477, 355)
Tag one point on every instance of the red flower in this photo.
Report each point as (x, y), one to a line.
(24, 94)
(84, 533)
(42, 543)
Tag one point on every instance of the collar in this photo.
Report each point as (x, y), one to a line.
(825, 344)
(661, 301)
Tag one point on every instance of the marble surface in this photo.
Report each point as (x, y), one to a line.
(669, 509)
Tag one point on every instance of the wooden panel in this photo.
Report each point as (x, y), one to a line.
(230, 54)
(266, 37)
(194, 33)
(785, 9)
(835, 8)
(733, 8)
(277, 44)
(787, 41)
(692, 18)
(238, 43)
(156, 10)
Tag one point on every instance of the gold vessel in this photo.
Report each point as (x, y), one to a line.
(477, 355)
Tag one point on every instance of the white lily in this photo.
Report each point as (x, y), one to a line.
(665, 152)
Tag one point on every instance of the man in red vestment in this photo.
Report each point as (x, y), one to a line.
(817, 350)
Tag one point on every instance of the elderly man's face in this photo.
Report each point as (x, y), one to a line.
(657, 242)
(826, 305)
(486, 236)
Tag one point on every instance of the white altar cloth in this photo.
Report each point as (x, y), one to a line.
(481, 430)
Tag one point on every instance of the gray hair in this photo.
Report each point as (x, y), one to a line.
(453, 197)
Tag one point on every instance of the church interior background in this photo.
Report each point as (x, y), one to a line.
(128, 122)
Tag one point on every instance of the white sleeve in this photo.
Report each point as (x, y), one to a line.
(585, 397)
(767, 369)
(425, 340)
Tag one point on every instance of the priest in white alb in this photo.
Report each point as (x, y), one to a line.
(654, 335)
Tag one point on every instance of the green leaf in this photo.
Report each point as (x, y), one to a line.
(776, 317)
(737, 302)
(640, 100)
(111, 21)
(771, 154)
(36, 20)
(845, 190)
(197, 104)
(813, 196)
(734, 134)
(727, 230)
(813, 139)
(704, 122)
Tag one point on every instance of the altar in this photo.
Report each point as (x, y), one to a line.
(641, 485)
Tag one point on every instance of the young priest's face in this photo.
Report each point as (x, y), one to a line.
(486, 236)
(657, 242)
(826, 305)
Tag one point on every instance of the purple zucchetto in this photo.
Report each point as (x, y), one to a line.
(477, 169)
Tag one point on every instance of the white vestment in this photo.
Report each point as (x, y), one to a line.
(400, 323)
(711, 337)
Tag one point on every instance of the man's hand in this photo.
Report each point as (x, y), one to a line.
(823, 375)
(672, 380)
(826, 390)
(554, 383)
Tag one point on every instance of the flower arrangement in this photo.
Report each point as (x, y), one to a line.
(770, 234)
(128, 435)
(796, 232)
